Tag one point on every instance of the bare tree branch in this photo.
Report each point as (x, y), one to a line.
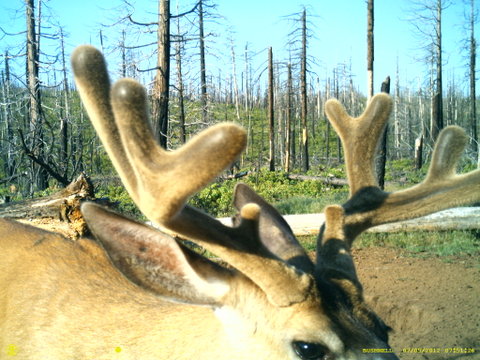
(52, 172)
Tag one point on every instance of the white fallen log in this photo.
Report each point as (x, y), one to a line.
(465, 218)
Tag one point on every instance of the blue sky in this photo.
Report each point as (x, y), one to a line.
(339, 29)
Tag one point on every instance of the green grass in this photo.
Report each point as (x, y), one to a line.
(308, 205)
(428, 243)
(444, 244)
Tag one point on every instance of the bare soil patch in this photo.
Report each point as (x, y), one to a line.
(432, 304)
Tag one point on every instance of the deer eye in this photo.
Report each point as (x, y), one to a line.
(311, 351)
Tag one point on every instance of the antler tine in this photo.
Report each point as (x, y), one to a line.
(443, 188)
(275, 233)
(150, 174)
(169, 178)
(93, 85)
(242, 248)
(368, 205)
(160, 182)
(360, 137)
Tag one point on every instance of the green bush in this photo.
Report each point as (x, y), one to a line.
(289, 196)
(118, 195)
(215, 199)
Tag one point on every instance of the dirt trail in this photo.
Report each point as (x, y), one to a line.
(433, 306)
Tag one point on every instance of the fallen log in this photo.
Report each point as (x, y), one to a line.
(62, 206)
(465, 218)
(328, 180)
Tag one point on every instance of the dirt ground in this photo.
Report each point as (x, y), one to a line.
(432, 305)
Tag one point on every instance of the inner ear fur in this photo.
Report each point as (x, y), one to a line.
(155, 261)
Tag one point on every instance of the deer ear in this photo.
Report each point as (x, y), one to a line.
(155, 261)
(275, 233)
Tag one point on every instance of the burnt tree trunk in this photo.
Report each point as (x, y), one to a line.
(381, 158)
(162, 77)
(271, 120)
(35, 108)
(437, 101)
(370, 48)
(473, 108)
(203, 71)
(288, 125)
(419, 152)
(65, 113)
(181, 100)
(303, 93)
(7, 149)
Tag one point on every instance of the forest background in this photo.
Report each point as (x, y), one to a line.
(269, 66)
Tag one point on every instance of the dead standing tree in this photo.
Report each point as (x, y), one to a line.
(298, 43)
(34, 103)
(472, 54)
(427, 20)
(203, 70)
(437, 105)
(179, 51)
(64, 112)
(7, 150)
(370, 48)
(381, 157)
(303, 92)
(288, 125)
(161, 85)
(271, 117)
(30, 157)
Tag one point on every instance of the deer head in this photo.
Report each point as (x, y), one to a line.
(273, 301)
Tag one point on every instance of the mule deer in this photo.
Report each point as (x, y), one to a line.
(143, 295)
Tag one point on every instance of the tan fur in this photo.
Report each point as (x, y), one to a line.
(64, 300)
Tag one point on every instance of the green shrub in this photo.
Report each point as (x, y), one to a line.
(118, 195)
(215, 199)
(289, 196)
